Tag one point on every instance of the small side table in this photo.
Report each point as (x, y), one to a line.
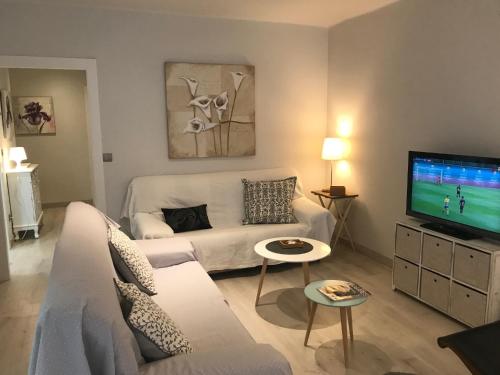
(342, 212)
(312, 293)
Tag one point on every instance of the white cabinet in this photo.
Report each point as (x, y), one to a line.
(459, 278)
(24, 196)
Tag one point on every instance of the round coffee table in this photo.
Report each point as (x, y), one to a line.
(318, 251)
(316, 297)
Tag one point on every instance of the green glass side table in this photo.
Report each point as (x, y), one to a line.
(312, 293)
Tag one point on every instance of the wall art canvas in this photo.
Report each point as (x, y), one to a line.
(7, 114)
(210, 110)
(34, 115)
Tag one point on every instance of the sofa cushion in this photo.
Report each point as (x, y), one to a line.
(130, 261)
(148, 226)
(166, 252)
(156, 333)
(233, 247)
(198, 308)
(187, 218)
(268, 202)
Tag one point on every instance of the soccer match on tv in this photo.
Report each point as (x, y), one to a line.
(465, 193)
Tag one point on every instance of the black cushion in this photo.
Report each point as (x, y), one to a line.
(187, 219)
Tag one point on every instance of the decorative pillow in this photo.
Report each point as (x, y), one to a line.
(268, 202)
(156, 333)
(130, 262)
(187, 219)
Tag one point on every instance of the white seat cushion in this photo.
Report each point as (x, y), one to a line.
(195, 304)
(233, 247)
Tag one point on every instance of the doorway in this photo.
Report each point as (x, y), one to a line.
(22, 75)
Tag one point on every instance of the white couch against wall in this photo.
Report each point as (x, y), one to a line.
(229, 244)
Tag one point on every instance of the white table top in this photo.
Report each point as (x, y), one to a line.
(320, 250)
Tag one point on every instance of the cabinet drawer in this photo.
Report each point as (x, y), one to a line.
(405, 276)
(472, 267)
(436, 254)
(467, 305)
(435, 290)
(408, 243)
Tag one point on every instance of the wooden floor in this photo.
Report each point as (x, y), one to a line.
(392, 332)
(20, 297)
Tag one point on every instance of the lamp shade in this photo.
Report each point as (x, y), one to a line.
(333, 149)
(17, 154)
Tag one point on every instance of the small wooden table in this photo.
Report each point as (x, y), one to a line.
(319, 251)
(342, 212)
(316, 297)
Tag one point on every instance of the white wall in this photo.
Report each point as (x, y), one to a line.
(63, 157)
(416, 75)
(131, 49)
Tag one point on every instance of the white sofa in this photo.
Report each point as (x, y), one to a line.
(81, 330)
(229, 244)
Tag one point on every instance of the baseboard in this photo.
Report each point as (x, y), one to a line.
(62, 204)
(369, 252)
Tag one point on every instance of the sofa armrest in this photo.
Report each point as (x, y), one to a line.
(259, 359)
(319, 219)
(146, 226)
(166, 252)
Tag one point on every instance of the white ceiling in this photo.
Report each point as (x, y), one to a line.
(323, 13)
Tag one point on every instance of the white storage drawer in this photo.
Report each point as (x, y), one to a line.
(408, 243)
(468, 305)
(437, 254)
(405, 276)
(472, 267)
(435, 290)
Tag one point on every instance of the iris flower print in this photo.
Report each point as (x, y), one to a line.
(203, 103)
(192, 84)
(220, 102)
(34, 115)
(237, 78)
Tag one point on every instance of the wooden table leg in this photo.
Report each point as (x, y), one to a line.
(305, 267)
(343, 321)
(349, 320)
(311, 319)
(342, 223)
(307, 280)
(261, 281)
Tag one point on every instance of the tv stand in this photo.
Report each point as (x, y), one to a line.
(450, 231)
(457, 277)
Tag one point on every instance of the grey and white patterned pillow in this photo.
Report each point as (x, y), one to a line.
(130, 262)
(156, 333)
(268, 202)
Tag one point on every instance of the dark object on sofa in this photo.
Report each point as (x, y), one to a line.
(187, 219)
(477, 348)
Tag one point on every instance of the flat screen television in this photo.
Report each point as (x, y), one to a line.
(458, 195)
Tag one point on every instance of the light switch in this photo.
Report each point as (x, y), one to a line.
(107, 157)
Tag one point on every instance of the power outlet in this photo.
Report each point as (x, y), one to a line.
(107, 157)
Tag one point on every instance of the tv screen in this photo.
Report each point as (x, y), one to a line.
(462, 192)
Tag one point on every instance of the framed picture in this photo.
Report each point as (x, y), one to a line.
(34, 115)
(210, 110)
(6, 112)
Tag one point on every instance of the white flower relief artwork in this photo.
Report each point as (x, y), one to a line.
(210, 110)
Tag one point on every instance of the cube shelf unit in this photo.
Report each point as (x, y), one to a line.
(457, 277)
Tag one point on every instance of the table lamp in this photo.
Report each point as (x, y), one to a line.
(333, 149)
(17, 154)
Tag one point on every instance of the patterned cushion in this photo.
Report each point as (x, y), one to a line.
(156, 333)
(130, 262)
(268, 202)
